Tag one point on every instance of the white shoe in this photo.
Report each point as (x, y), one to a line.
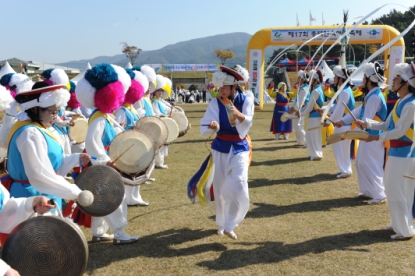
(344, 175)
(122, 238)
(162, 167)
(220, 231)
(102, 238)
(316, 158)
(376, 201)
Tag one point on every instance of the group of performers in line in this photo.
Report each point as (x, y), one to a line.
(39, 152)
(384, 157)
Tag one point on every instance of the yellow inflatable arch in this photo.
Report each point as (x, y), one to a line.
(286, 36)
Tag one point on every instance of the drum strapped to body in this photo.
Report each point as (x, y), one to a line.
(78, 132)
(106, 184)
(155, 128)
(46, 245)
(356, 135)
(182, 122)
(173, 129)
(286, 116)
(135, 165)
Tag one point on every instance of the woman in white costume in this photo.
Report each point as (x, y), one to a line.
(300, 102)
(103, 88)
(341, 149)
(316, 101)
(399, 130)
(230, 150)
(370, 156)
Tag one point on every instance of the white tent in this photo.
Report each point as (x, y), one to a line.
(267, 97)
(327, 73)
(6, 69)
(128, 66)
(81, 75)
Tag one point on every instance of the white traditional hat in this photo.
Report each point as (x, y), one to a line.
(374, 72)
(303, 75)
(338, 71)
(16, 83)
(161, 83)
(148, 72)
(317, 75)
(226, 76)
(54, 76)
(406, 72)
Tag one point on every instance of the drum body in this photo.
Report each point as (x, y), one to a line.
(106, 185)
(181, 121)
(173, 129)
(140, 151)
(334, 138)
(46, 245)
(356, 135)
(78, 132)
(155, 128)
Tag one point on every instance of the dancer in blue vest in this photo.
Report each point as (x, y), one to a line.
(103, 88)
(281, 105)
(369, 159)
(341, 149)
(300, 102)
(230, 117)
(399, 130)
(316, 101)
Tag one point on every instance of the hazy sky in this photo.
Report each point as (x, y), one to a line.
(52, 31)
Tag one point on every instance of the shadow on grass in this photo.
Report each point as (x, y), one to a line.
(273, 148)
(264, 210)
(280, 161)
(159, 245)
(275, 252)
(262, 182)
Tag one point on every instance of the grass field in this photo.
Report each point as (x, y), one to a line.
(302, 220)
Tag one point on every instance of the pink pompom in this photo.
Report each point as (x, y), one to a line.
(48, 81)
(12, 92)
(134, 93)
(109, 98)
(73, 101)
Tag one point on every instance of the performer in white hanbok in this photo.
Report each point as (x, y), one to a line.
(316, 101)
(300, 102)
(103, 88)
(230, 117)
(399, 130)
(370, 156)
(144, 106)
(127, 116)
(341, 149)
(160, 109)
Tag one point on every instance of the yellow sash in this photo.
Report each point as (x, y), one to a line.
(284, 95)
(20, 124)
(410, 132)
(98, 114)
(131, 108)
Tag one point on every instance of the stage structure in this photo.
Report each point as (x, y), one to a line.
(286, 36)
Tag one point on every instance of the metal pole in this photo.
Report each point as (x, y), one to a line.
(296, 62)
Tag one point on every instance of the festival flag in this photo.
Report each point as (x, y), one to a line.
(311, 18)
(322, 19)
(298, 21)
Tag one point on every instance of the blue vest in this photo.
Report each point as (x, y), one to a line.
(1, 199)
(226, 128)
(319, 102)
(307, 98)
(160, 106)
(132, 118)
(351, 104)
(147, 107)
(403, 151)
(381, 113)
(16, 168)
(108, 135)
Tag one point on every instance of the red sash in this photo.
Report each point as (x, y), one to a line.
(399, 143)
(282, 104)
(230, 137)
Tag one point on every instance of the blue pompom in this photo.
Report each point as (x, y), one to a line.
(5, 80)
(136, 68)
(46, 73)
(130, 72)
(73, 86)
(101, 75)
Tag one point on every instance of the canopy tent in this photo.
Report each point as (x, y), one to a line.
(286, 62)
(81, 75)
(304, 61)
(128, 66)
(6, 69)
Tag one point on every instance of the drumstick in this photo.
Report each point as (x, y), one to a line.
(313, 128)
(119, 156)
(350, 112)
(409, 176)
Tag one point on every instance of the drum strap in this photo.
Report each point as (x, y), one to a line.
(410, 132)
(20, 124)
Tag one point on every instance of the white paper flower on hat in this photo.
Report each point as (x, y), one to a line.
(142, 79)
(149, 73)
(406, 72)
(123, 77)
(372, 72)
(161, 83)
(5, 98)
(58, 76)
(243, 72)
(218, 78)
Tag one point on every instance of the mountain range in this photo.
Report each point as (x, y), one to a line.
(195, 51)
